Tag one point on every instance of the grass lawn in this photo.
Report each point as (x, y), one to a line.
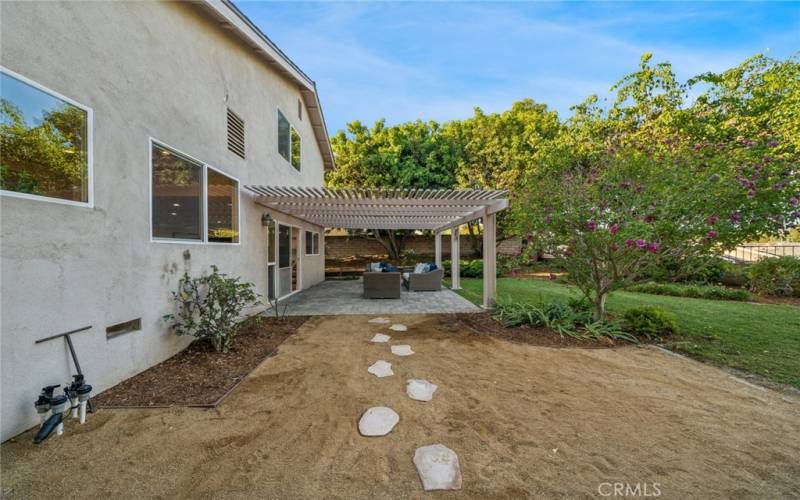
(757, 338)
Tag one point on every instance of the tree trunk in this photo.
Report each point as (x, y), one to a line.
(600, 306)
(390, 241)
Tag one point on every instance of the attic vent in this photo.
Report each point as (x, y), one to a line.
(235, 134)
(299, 109)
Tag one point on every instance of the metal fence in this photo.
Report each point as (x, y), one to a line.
(756, 251)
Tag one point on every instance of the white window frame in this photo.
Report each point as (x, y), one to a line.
(312, 233)
(291, 127)
(89, 203)
(203, 198)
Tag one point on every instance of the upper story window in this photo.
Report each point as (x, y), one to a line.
(45, 139)
(192, 201)
(288, 141)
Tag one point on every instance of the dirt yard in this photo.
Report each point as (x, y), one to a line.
(525, 421)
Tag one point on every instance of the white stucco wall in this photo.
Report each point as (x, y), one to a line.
(147, 70)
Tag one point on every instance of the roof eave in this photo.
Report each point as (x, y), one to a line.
(236, 22)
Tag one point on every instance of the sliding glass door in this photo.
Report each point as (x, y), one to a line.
(288, 272)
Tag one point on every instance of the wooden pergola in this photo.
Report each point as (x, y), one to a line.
(433, 209)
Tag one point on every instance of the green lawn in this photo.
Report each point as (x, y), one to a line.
(761, 339)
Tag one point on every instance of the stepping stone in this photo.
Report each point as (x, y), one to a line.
(421, 390)
(402, 350)
(378, 421)
(379, 337)
(381, 369)
(398, 327)
(438, 468)
(380, 321)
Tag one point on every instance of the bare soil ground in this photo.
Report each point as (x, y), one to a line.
(526, 421)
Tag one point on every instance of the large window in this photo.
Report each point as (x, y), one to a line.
(183, 189)
(223, 212)
(312, 243)
(45, 140)
(288, 141)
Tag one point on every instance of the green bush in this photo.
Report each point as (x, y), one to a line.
(735, 275)
(560, 317)
(650, 322)
(694, 291)
(469, 268)
(707, 270)
(776, 276)
(209, 307)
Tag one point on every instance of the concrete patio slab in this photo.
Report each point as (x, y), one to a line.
(346, 297)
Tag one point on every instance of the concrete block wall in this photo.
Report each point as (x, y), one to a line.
(339, 247)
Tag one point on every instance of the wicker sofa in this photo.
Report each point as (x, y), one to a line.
(424, 282)
(382, 285)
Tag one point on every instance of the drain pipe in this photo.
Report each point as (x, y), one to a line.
(56, 420)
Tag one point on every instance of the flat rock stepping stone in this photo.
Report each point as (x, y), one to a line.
(421, 390)
(438, 468)
(402, 350)
(379, 337)
(398, 327)
(380, 321)
(378, 421)
(381, 369)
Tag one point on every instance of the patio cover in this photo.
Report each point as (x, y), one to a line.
(431, 209)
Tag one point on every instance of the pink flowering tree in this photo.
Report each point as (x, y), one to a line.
(610, 218)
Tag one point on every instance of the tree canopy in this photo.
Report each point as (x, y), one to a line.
(719, 147)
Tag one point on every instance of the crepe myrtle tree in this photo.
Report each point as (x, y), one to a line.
(610, 219)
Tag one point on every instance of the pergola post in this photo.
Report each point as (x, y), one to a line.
(455, 258)
(437, 248)
(489, 261)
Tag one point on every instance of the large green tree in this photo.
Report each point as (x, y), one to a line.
(413, 155)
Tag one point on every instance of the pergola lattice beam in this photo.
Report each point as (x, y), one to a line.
(435, 209)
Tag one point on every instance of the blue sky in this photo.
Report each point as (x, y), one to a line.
(403, 61)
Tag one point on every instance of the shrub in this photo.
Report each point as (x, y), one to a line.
(650, 322)
(694, 291)
(776, 276)
(469, 268)
(735, 275)
(210, 306)
(706, 269)
(562, 318)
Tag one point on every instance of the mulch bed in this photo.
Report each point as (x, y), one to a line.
(483, 324)
(198, 376)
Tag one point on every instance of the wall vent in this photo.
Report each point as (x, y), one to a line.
(125, 327)
(300, 109)
(235, 134)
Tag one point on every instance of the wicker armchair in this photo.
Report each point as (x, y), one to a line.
(379, 285)
(424, 282)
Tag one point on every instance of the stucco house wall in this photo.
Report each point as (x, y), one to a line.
(165, 71)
